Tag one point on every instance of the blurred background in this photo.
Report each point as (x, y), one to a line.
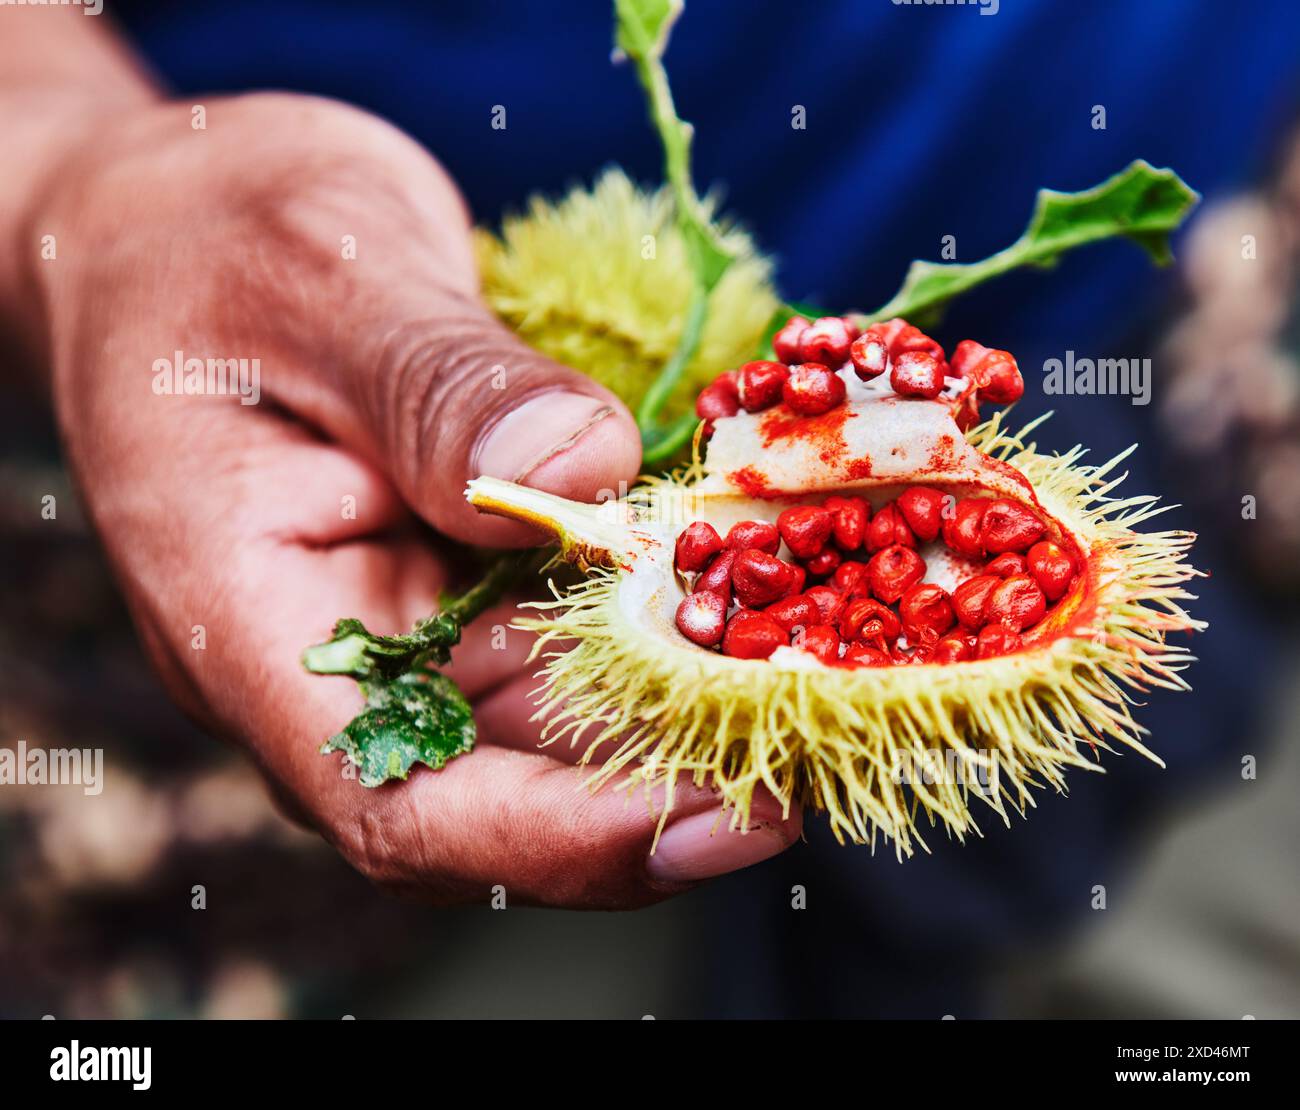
(922, 122)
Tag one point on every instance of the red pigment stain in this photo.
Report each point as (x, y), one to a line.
(825, 433)
(1011, 472)
(752, 482)
(858, 469)
(943, 455)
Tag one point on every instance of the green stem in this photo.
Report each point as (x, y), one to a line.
(504, 572)
(356, 651)
(664, 445)
(665, 383)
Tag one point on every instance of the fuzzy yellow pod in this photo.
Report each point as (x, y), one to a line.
(599, 281)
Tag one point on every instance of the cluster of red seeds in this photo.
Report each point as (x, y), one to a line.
(811, 355)
(747, 600)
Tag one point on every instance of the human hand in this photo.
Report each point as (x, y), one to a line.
(226, 523)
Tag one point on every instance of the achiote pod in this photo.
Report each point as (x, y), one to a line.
(982, 610)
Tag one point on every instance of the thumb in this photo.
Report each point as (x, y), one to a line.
(460, 396)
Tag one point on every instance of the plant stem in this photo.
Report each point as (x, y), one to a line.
(356, 651)
(662, 387)
(504, 572)
(662, 445)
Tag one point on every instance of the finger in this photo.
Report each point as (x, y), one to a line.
(493, 817)
(507, 717)
(461, 397)
(409, 367)
(523, 822)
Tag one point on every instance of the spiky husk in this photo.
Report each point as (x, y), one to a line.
(570, 277)
(832, 739)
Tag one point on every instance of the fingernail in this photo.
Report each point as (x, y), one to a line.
(539, 429)
(693, 849)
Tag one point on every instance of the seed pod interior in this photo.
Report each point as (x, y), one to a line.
(853, 719)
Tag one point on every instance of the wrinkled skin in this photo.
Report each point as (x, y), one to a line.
(377, 385)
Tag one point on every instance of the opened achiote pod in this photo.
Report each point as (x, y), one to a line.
(859, 596)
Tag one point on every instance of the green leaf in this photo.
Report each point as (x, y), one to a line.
(414, 718)
(1140, 203)
(413, 714)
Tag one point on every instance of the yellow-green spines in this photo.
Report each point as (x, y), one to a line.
(599, 281)
(834, 739)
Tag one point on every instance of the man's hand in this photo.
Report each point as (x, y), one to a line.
(328, 246)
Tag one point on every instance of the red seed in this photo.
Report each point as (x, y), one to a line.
(759, 385)
(995, 373)
(786, 341)
(849, 517)
(867, 611)
(826, 340)
(996, 639)
(794, 612)
(953, 648)
(1016, 603)
(966, 356)
(830, 603)
(1005, 384)
(725, 390)
(926, 612)
(718, 400)
(970, 598)
(1009, 526)
(819, 640)
(961, 531)
(701, 618)
(893, 571)
(798, 576)
(758, 534)
(917, 374)
(812, 389)
(849, 577)
(805, 529)
(823, 563)
(859, 655)
(902, 336)
(759, 579)
(752, 636)
(887, 528)
(922, 508)
(902, 658)
(717, 578)
(1052, 568)
(869, 354)
(1006, 564)
(696, 546)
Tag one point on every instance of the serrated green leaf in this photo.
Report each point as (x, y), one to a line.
(1140, 203)
(415, 718)
(413, 714)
